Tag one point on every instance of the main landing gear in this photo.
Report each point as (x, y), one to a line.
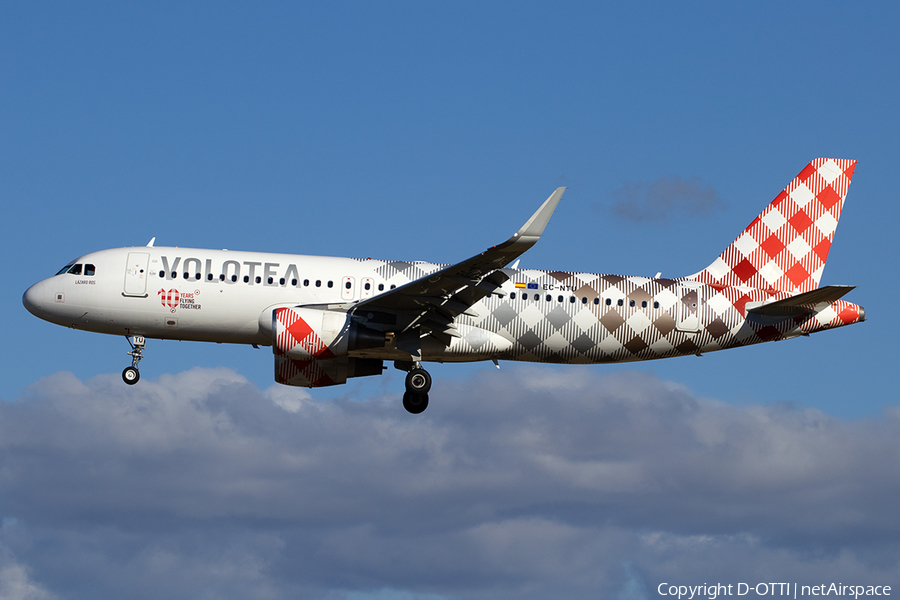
(418, 383)
(131, 375)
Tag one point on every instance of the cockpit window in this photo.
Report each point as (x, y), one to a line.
(75, 269)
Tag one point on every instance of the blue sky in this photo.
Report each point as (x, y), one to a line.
(429, 131)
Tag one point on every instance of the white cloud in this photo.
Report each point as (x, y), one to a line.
(527, 482)
(15, 580)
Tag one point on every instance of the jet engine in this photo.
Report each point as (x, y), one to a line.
(312, 347)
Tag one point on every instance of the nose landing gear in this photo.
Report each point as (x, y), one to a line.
(131, 375)
(418, 383)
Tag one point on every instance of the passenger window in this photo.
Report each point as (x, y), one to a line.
(208, 276)
(89, 270)
(620, 302)
(571, 299)
(174, 275)
(584, 300)
(294, 282)
(656, 305)
(246, 279)
(75, 270)
(330, 284)
(512, 295)
(380, 287)
(270, 280)
(306, 282)
(631, 303)
(222, 277)
(258, 279)
(318, 283)
(644, 304)
(187, 275)
(609, 301)
(368, 286)
(162, 274)
(281, 281)
(549, 298)
(233, 278)
(559, 298)
(197, 276)
(347, 285)
(393, 286)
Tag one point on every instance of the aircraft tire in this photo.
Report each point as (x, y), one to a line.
(418, 381)
(415, 403)
(131, 375)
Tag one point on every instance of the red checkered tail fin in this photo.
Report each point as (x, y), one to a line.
(785, 248)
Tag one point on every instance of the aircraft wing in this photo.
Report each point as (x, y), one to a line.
(429, 304)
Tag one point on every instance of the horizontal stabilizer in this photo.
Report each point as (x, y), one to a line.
(802, 303)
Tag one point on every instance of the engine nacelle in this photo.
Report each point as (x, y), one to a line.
(312, 347)
(324, 372)
(307, 333)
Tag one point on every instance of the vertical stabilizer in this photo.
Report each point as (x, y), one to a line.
(785, 248)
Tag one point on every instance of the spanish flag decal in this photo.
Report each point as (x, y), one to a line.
(520, 285)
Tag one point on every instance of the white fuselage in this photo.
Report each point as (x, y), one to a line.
(541, 316)
(192, 294)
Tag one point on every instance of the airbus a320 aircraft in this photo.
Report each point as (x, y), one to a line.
(329, 319)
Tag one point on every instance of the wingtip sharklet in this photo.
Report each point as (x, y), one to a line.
(534, 226)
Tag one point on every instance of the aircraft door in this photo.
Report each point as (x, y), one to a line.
(688, 317)
(347, 288)
(136, 274)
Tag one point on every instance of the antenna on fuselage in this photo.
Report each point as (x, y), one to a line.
(150, 243)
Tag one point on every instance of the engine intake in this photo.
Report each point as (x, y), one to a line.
(307, 333)
(312, 347)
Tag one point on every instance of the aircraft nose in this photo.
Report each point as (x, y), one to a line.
(33, 299)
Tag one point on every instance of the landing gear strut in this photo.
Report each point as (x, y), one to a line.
(418, 383)
(131, 375)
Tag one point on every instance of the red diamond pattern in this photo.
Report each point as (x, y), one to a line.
(744, 270)
(800, 221)
(773, 246)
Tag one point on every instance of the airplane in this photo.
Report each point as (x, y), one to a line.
(330, 319)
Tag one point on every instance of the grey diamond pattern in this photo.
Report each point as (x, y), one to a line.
(590, 331)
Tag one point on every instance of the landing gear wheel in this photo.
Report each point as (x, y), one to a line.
(131, 375)
(418, 382)
(415, 403)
